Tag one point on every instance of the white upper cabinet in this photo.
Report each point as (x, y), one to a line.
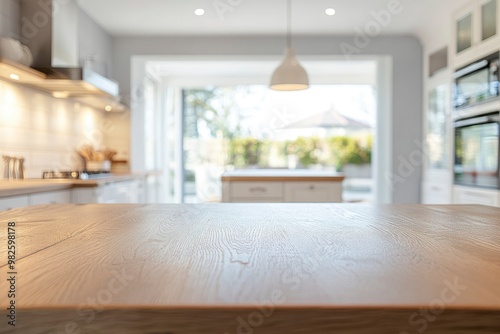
(488, 20)
(476, 31)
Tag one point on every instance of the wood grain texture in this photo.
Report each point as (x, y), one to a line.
(321, 268)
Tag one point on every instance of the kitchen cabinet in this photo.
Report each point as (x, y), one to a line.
(315, 192)
(153, 188)
(285, 186)
(253, 192)
(51, 197)
(13, 202)
(476, 31)
(436, 192)
(129, 191)
(468, 195)
(438, 177)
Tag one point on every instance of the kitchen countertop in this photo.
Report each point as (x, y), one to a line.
(25, 187)
(255, 268)
(279, 174)
(32, 186)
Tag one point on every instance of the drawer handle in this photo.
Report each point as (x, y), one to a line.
(312, 187)
(435, 188)
(260, 189)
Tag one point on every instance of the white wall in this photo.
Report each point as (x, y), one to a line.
(46, 131)
(406, 55)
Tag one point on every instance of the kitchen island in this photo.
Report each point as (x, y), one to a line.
(252, 268)
(282, 185)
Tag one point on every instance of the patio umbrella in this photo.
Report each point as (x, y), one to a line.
(327, 119)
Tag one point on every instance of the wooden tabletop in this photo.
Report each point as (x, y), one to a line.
(253, 268)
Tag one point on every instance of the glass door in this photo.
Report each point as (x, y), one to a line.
(436, 137)
(476, 151)
(464, 33)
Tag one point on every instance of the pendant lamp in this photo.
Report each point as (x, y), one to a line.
(290, 75)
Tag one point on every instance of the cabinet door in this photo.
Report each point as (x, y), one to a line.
(86, 195)
(8, 203)
(313, 192)
(51, 197)
(121, 192)
(436, 193)
(464, 195)
(249, 191)
(476, 31)
(489, 19)
(464, 36)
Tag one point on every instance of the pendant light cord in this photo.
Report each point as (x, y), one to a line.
(289, 24)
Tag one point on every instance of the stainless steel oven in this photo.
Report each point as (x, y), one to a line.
(477, 83)
(477, 151)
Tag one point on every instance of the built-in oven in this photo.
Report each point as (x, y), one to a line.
(477, 151)
(476, 83)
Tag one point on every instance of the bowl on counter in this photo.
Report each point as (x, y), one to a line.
(97, 166)
(13, 50)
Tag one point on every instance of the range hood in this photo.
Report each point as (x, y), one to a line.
(76, 82)
(55, 49)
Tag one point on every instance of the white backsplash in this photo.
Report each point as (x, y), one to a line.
(47, 131)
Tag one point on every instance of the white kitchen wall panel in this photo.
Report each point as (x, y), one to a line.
(46, 131)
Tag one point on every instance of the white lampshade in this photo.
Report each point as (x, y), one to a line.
(290, 75)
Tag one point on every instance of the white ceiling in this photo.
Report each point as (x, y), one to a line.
(176, 17)
(259, 67)
(257, 71)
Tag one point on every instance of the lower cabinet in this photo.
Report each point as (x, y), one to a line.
(131, 191)
(281, 192)
(128, 191)
(467, 195)
(436, 193)
(252, 192)
(316, 192)
(51, 197)
(153, 185)
(13, 202)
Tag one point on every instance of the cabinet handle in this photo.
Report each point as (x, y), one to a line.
(435, 188)
(312, 187)
(261, 189)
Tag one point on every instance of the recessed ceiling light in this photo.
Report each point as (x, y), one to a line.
(14, 76)
(199, 12)
(108, 108)
(330, 11)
